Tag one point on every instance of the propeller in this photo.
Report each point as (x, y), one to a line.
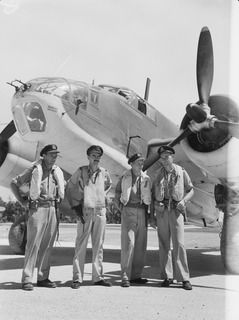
(197, 113)
(201, 113)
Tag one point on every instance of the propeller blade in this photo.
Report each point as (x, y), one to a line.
(152, 159)
(233, 127)
(8, 131)
(182, 136)
(204, 65)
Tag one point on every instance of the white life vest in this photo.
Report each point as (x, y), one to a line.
(35, 184)
(126, 186)
(94, 193)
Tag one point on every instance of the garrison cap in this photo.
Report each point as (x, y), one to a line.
(167, 149)
(134, 157)
(49, 148)
(95, 148)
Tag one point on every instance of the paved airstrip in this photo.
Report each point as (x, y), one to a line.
(215, 295)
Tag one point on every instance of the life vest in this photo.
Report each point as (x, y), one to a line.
(178, 189)
(126, 186)
(81, 189)
(33, 187)
(94, 190)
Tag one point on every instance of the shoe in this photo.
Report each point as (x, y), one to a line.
(103, 283)
(139, 281)
(125, 283)
(75, 285)
(167, 282)
(187, 285)
(27, 286)
(46, 283)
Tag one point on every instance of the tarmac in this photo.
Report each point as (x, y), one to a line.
(215, 294)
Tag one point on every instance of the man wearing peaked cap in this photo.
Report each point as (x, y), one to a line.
(172, 189)
(132, 197)
(167, 149)
(134, 157)
(46, 189)
(50, 148)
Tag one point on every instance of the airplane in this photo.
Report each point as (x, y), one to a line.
(74, 115)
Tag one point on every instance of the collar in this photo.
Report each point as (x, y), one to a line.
(45, 168)
(172, 171)
(91, 172)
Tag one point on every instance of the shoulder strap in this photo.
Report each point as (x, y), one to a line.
(84, 175)
(53, 175)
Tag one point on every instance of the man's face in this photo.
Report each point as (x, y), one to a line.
(94, 158)
(166, 158)
(50, 158)
(137, 165)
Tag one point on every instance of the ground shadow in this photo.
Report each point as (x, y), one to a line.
(201, 262)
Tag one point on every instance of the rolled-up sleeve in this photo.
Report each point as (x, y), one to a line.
(23, 178)
(187, 181)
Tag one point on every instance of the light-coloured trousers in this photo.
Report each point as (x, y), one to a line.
(41, 234)
(133, 242)
(95, 222)
(173, 263)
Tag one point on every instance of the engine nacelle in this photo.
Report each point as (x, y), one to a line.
(221, 163)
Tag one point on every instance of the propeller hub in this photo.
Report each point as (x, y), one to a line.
(196, 113)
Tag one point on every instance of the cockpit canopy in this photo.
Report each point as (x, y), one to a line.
(65, 89)
(132, 99)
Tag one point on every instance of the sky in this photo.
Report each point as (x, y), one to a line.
(119, 42)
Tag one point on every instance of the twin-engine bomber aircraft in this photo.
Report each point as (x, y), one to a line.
(74, 115)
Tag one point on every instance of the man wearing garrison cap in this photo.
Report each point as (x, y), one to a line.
(132, 197)
(172, 189)
(86, 192)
